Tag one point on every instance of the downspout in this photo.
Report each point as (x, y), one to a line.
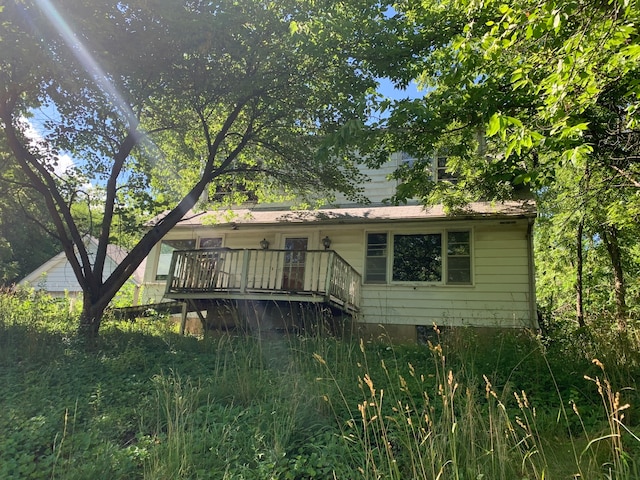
(533, 308)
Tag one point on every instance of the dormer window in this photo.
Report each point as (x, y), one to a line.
(408, 160)
(438, 166)
(441, 173)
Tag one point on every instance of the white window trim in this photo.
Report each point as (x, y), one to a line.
(421, 231)
(158, 249)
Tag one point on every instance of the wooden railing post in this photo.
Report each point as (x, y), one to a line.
(172, 267)
(329, 280)
(244, 278)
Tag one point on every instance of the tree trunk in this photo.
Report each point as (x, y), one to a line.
(610, 237)
(91, 316)
(579, 272)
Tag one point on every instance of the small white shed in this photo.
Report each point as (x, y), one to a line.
(56, 276)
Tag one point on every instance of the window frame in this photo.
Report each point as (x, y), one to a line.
(449, 256)
(385, 255)
(437, 165)
(209, 237)
(445, 257)
(162, 277)
(440, 173)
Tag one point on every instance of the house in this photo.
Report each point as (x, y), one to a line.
(393, 268)
(56, 276)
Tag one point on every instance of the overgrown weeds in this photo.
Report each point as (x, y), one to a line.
(148, 403)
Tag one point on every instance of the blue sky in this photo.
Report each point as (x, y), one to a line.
(386, 88)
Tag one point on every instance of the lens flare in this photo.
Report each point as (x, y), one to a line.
(86, 60)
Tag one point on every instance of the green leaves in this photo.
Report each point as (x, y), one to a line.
(169, 100)
(495, 125)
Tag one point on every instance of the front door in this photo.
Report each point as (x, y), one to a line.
(294, 260)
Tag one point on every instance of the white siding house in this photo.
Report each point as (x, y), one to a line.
(408, 266)
(56, 276)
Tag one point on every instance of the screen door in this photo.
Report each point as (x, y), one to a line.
(294, 260)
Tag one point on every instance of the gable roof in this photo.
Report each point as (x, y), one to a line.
(369, 214)
(115, 254)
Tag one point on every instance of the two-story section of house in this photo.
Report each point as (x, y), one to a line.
(391, 269)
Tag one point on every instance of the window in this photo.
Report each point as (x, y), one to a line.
(437, 165)
(442, 175)
(439, 257)
(215, 242)
(167, 248)
(417, 258)
(406, 159)
(376, 261)
(458, 258)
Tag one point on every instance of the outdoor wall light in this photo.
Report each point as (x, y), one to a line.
(326, 241)
(264, 244)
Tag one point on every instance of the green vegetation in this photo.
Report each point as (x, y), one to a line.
(144, 402)
(231, 100)
(535, 98)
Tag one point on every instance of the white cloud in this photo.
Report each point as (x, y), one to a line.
(64, 161)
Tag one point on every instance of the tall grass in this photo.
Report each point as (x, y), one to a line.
(430, 422)
(147, 403)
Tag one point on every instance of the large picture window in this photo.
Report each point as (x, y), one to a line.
(167, 247)
(440, 257)
(417, 258)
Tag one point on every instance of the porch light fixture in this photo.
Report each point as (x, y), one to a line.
(264, 244)
(326, 241)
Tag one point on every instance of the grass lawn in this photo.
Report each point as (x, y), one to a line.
(144, 402)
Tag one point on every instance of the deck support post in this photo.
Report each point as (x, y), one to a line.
(203, 320)
(183, 319)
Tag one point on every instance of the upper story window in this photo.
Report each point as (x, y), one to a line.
(406, 159)
(441, 173)
(433, 257)
(438, 166)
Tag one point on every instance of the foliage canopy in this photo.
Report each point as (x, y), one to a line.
(157, 100)
(538, 97)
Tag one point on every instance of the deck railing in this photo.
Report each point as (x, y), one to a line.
(313, 272)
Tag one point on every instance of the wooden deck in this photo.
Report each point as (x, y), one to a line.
(319, 276)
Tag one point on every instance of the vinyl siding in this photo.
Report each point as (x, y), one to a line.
(59, 277)
(499, 296)
(379, 187)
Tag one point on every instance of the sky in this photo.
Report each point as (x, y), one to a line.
(386, 88)
(64, 160)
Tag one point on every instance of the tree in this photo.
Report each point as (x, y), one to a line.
(24, 243)
(527, 96)
(258, 93)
